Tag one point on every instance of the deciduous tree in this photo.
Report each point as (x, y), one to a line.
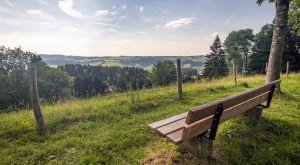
(261, 49)
(163, 73)
(294, 15)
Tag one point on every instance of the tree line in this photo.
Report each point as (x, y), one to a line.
(74, 80)
(246, 53)
(274, 43)
(90, 80)
(14, 87)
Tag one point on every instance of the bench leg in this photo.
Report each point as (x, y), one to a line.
(191, 145)
(254, 114)
(201, 147)
(205, 147)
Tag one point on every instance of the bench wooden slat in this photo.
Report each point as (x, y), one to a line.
(209, 109)
(171, 127)
(168, 121)
(196, 128)
(175, 137)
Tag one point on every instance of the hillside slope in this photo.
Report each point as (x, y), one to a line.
(145, 62)
(113, 129)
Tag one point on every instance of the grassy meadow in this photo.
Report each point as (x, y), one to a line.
(112, 129)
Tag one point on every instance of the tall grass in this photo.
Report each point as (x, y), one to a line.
(113, 129)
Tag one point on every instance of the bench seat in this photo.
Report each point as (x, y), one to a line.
(171, 128)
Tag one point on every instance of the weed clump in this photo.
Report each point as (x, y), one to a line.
(134, 101)
(210, 90)
(244, 84)
(220, 88)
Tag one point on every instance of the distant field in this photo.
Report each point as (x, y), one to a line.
(53, 66)
(112, 63)
(145, 62)
(113, 129)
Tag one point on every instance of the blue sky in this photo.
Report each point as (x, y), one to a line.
(125, 27)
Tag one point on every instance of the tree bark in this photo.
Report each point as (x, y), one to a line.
(246, 64)
(243, 66)
(234, 68)
(278, 40)
(287, 69)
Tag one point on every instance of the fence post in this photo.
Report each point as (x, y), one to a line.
(179, 79)
(287, 68)
(35, 100)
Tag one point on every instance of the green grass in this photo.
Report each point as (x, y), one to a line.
(113, 129)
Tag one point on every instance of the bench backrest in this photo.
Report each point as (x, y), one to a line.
(199, 119)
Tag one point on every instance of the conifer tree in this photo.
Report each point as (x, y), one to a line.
(215, 65)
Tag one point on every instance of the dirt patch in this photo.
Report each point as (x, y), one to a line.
(179, 159)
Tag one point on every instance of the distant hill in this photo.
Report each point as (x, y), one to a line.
(145, 62)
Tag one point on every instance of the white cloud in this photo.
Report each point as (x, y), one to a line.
(110, 29)
(182, 22)
(4, 21)
(163, 11)
(214, 34)
(125, 41)
(4, 10)
(113, 12)
(105, 12)
(200, 31)
(71, 29)
(141, 9)
(113, 30)
(67, 7)
(124, 7)
(43, 2)
(40, 15)
(141, 32)
(147, 19)
(157, 27)
(102, 12)
(104, 24)
(10, 4)
(123, 17)
(229, 19)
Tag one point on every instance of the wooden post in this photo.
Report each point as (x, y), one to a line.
(35, 100)
(179, 79)
(234, 68)
(287, 68)
(201, 147)
(254, 114)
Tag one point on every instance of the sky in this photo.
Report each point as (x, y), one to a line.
(126, 27)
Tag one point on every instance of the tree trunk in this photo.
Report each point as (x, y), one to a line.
(246, 64)
(234, 68)
(278, 40)
(243, 65)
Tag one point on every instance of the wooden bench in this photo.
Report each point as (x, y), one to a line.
(190, 129)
